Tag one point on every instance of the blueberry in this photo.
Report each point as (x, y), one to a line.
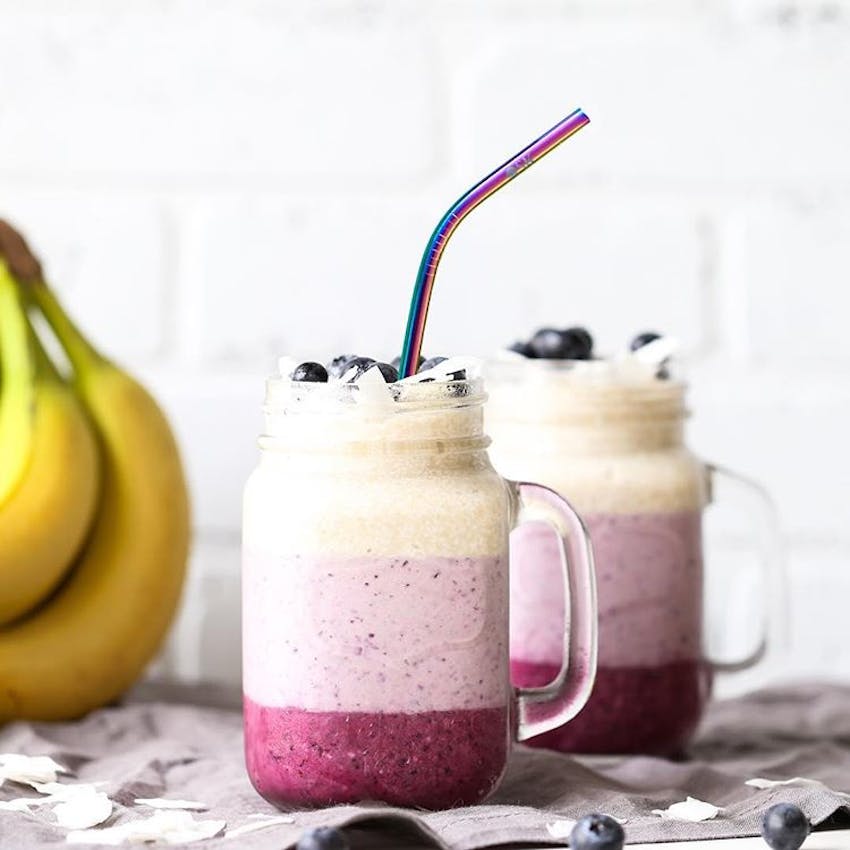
(597, 832)
(582, 343)
(359, 364)
(323, 838)
(643, 339)
(338, 365)
(390, 373)
(784, 827)
(522, 348)
(310, 371)
(430, 363)
(568, 344)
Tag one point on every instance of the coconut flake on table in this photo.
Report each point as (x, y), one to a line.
(560, 828)
(59, 792)
(21, 804)
(690, 809)
(83, 811)
(28, 769)
(262, 822)
(802, 781)
(170, 827)
(163, 803)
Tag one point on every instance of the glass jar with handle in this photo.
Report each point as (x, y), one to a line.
(613, 443)
(375, 599)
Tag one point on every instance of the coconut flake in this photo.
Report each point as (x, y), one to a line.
(162, 803)
(171, 827)
(373, 391)
(447, 370)
(28, 769)
(691, 810)
(657, 351)
(268, 820)
(82, 811)
(802, 781)
(21, 804)
(58, 792)
(560, 828)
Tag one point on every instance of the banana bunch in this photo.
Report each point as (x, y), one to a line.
(94, 512)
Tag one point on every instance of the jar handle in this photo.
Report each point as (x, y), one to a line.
(770, 562)
(542, 709)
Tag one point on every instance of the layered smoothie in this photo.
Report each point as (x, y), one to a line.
(610, 438)
(375, 595)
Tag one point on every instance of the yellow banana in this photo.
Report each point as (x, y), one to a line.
(45, 520)
(93, 639)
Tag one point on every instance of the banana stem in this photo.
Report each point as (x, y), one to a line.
(16, 360)
(80, 351)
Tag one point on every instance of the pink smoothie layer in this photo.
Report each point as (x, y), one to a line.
(651, 685)
(432, 759)
(375, 633)
(651, 710)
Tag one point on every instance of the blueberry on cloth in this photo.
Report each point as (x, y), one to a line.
(323, 838)
(310, 371)
(784, 827)
(597, 832)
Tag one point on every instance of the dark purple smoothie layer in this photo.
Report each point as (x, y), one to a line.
(431, 759)
(649, 710)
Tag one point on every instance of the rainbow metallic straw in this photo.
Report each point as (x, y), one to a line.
(482, 190)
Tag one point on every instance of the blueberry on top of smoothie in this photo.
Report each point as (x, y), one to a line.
(323, 838)
(523, 348)
(310, 371)
(597, 832)
(339, 364)
(784, 827)
(643, 339)
(355, 367)
(389, 372)
(567, 344)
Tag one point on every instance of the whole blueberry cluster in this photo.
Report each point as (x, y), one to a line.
(574, 343)
(351, 367)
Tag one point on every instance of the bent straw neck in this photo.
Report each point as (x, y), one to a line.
(482, 190)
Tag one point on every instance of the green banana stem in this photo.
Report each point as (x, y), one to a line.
(82, 354)
(17, 368)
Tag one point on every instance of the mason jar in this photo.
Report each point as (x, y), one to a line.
(376, 597)
(614, 444)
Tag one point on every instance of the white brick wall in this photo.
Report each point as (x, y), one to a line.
(214, 184)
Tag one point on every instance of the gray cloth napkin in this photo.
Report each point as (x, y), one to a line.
(184, 750)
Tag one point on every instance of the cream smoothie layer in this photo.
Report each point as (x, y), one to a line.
(608, 438)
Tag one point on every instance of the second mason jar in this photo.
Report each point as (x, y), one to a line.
(612, 441)
(375, 599)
